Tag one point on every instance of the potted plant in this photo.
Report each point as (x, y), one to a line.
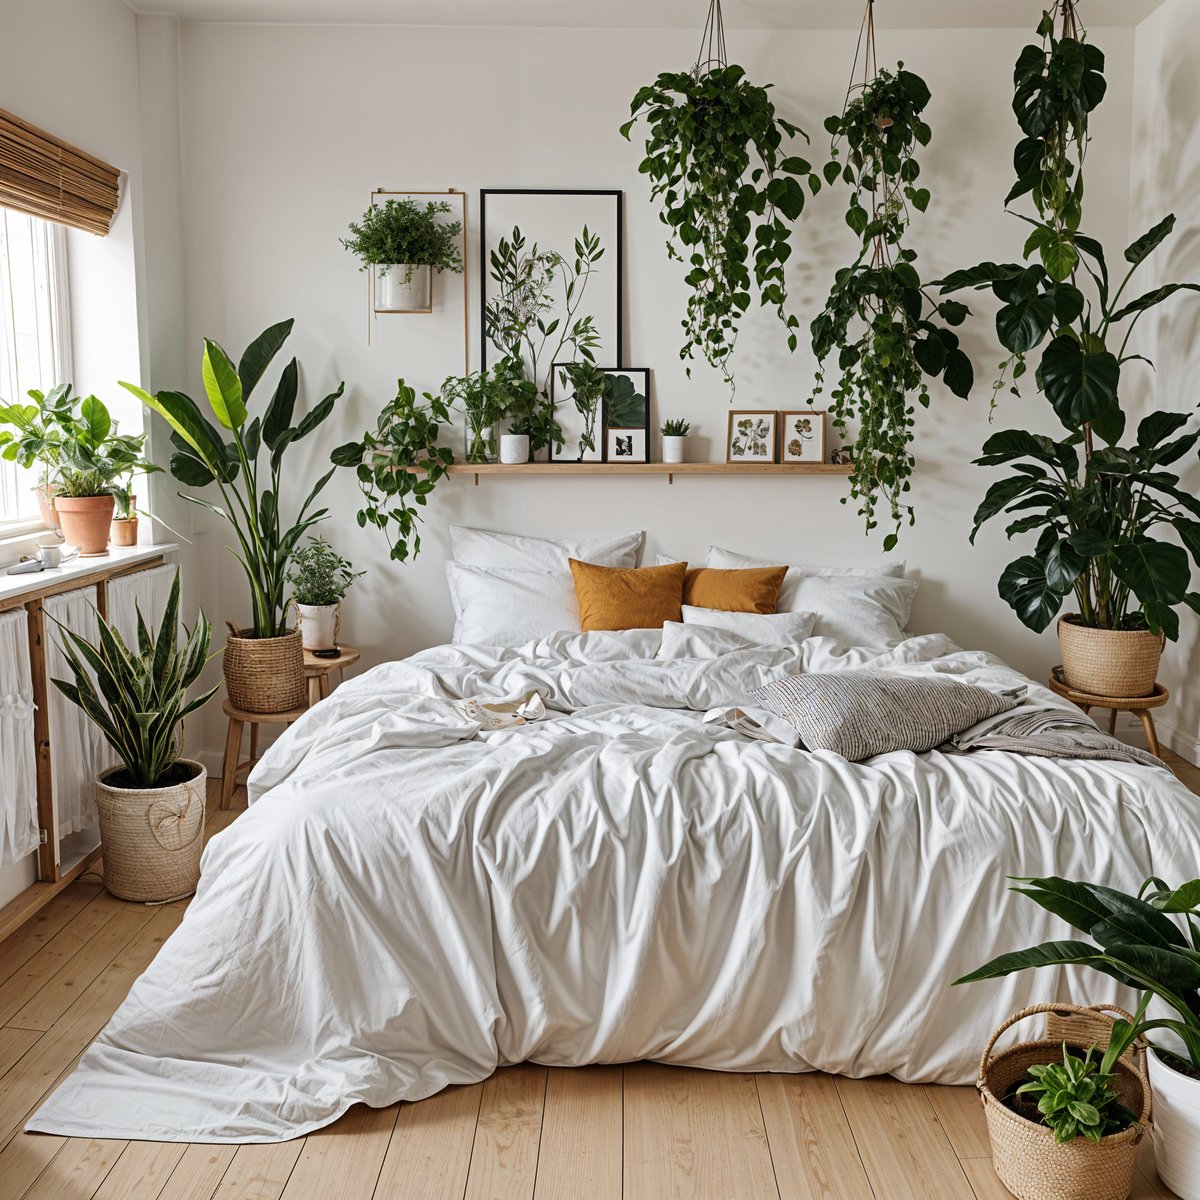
(484, 401)
(33, 440)
(151, 807)
(1094, 501)
(1150, 941)
(264, 662)
(320, 579)
(125, 517)
(405, 242)
(398, 465)
(93, 458)
(674, 440)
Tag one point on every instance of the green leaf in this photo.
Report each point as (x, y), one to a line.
(96, 419)
(1022, 325)
(282, 406)
(959, 374)
(1026, 588)
(222, 386)
(981, 276)
(1048, 954)
(259, 354)
(1079, 384)
(1152, 298)
(1153, 571)
(1139, 250)
(1158, 426)
(183, 415)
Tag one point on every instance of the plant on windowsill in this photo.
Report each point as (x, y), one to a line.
(1093, 501)
(674, 440)
(151, 807)
(405, 242)
(264, 663)
(320, 578)
(33, 438)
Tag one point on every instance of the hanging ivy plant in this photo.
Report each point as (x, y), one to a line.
(877, 315)
(716, 160)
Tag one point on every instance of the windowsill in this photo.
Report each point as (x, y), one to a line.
(21, 587)
(20, 541)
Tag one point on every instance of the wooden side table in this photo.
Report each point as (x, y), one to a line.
(238, 720)
(1139, 705)
(318, 670)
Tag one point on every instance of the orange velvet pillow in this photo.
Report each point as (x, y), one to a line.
(752, 590)
(628, 598)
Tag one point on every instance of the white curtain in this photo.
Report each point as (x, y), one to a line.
(18, 770)
(147, 590)
(78, 751)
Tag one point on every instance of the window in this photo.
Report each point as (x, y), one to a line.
(35, 337)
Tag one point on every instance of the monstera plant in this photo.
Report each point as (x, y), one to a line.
(1094, 502)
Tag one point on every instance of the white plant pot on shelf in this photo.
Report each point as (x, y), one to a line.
(1176, 1127)
(674, 449)
(395, 291)
(318, 626)
(514, 448)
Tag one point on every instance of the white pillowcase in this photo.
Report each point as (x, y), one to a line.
(506, 606)
(484, 548)
(856, 610)
(761, 629)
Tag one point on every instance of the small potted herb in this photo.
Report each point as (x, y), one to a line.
(405, 242)
(320, 578)
(674, 440)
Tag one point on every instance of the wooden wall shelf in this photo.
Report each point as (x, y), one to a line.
(670, 470)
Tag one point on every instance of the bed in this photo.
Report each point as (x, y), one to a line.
(411, 901)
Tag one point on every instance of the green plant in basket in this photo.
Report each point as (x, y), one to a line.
(1075, 1098)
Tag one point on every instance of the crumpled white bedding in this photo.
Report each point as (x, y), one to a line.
(410, 902)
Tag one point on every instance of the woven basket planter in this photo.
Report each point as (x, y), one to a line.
(1108, 662)
(265, 675)
(1030, 1163)
(151, 838)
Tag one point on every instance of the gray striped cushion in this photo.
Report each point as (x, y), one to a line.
(858, 714)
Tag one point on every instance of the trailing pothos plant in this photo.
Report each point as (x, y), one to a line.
(729, 192)
(878, 316)
(1094, 507)
(398, 465)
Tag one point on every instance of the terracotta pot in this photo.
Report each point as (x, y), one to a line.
(86, 522)
(265, 675)
(1108, 662)
(46, 509)
(125, 531)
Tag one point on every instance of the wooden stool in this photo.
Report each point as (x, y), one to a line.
(318, 670)
(238, 720)
(1140, 705)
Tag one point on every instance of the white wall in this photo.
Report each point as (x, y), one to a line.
(1165, 174)
(307, 120)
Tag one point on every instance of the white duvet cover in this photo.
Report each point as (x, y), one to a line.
(409, 903)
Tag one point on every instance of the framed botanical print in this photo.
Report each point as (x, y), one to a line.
(802, 436)
(753, 434)
(588, 399)
(625, 445)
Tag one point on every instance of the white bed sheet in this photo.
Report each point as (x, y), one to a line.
(409, 904)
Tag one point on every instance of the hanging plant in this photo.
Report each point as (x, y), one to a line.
(729, 192)
(877, 315)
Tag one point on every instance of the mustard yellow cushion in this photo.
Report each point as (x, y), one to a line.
(628, 598)
(754, 590)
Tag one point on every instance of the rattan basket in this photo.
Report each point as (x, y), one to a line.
(1030, 1163)
(1108, 662)
(151, 838)
(264, 675)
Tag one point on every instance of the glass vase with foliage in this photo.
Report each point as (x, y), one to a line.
(536, 318)
(397, 465)
(406, 233)
(890, 337)
(483, 398)
(1097, 506)
(247, 469)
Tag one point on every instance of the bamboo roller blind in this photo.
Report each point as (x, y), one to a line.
(46, 177)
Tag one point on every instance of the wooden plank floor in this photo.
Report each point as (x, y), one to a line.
(635, 1132)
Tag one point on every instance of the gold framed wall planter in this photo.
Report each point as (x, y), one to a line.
(403, 288)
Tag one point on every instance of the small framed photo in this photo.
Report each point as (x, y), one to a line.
(623, 445)
(802, 436)
(753, 435)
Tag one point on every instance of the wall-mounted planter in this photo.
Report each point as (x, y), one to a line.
(396, 291)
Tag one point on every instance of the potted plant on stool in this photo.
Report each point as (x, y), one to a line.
(264, 662)
(405, 242)
(151, 807)
(320, 578)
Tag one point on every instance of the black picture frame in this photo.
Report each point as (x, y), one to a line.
(623, 419)
(618, 351)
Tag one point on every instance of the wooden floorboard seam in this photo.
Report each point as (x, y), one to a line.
(767, 1136)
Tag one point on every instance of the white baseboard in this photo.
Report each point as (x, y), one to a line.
(213, 762)
(1176, 739)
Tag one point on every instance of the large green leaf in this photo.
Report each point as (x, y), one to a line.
(981, 276)
(222, 386)
(1151, 298)
(315, 416)
(96, 419)
(999, 496)
(1153, 571)
(1008, 444)
(1048, 954)
(1022, 324)
(282, 406)
(259, 353)
(1024, 586)
(1159, 426)
(1081, 385)
(1141, 249)
(183, 415)
(1063, 566)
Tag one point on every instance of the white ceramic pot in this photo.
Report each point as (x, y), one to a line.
(674, 449)
(395, 291)
(319, 625)
(514, 448)
(1176, 1127)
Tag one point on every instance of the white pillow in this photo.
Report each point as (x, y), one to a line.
(483, 548)
(504, 606)
(854, 610)
(761, 629)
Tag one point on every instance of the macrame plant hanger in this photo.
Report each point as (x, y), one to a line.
(713, 55)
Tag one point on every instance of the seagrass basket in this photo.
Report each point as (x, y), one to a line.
(1108, 662)
(151, 838)
(264, 675)
(1030, 1163)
